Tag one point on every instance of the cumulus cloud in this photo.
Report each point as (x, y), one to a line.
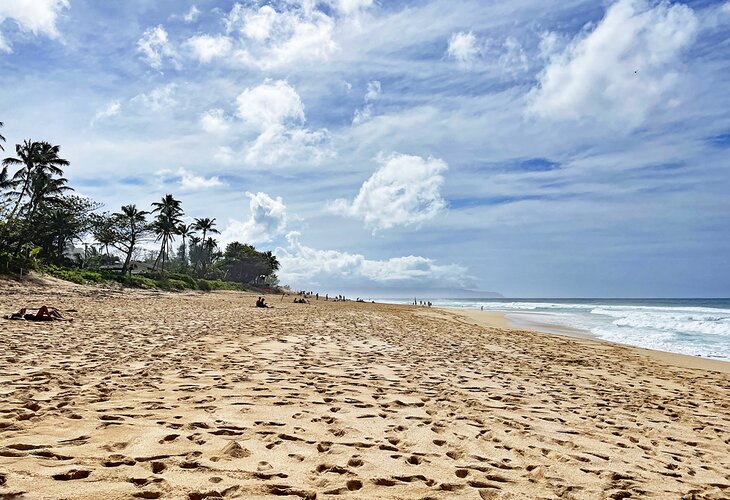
(192, 182)
(191, 15)
(266, 221)
(158, 98)
(272, 38)
(156, 48)
(365, 113)
(36, 16)
(463, 47)
(301, 264)
(214, 121)
(111, 109)
(622, 69)
(275, 110)
(404, 191)
(281, 144)
(205, 48)
(271, 103)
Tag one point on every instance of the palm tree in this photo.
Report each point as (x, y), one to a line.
(169, 213)
(33, 158)
(206, 225)
(185, 231)
(210, 245)
(272, 262)
(133, 225)
(45, 189)
(5, 182)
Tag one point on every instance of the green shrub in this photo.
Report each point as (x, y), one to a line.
(204, 285)
(74, 275)
(141, 282)
(188, 280)
(91, 276)
(177, 285)
(13, 264)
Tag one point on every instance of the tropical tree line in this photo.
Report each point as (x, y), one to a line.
(41, 218)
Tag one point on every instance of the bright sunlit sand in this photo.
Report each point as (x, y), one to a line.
(161, 395)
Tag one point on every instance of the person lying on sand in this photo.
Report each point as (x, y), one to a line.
(44, 313)
(301, 301)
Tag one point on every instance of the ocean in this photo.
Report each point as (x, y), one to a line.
(698, 327)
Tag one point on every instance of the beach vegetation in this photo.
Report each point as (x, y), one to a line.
(42, 220)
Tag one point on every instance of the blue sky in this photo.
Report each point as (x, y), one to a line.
(531, 147)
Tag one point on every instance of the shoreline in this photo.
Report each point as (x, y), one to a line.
(494, 319)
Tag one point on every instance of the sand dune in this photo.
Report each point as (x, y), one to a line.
(155, 395)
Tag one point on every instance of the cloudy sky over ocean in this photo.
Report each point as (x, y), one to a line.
(529, 147)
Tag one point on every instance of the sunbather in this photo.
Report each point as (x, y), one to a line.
(44, 313)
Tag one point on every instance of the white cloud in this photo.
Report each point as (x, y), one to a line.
(514, 59)
(374, 90)
(302, 264)
(36, 16)
(111, 109)
(276, 111)
(191, 15)
(273, 38)
(214, 121)
(404, 191)
(156, 48)
(266, 221)
(271, 103)
(205, 48)
(281, 144)
(191, 182)
(225, 156)
(463, 47)
(159, 98)
(551, 43)
(622, 69)
(365, 113)
(350, 7)
(4, 45)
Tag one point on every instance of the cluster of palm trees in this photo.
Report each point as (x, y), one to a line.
(35, 204)
(169, 223)
(38, 211)
(124, 231)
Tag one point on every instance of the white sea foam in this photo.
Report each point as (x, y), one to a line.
(681, 328)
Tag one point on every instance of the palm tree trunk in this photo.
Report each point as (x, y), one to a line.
(26, 183)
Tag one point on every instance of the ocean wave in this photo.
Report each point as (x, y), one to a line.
(680, 321)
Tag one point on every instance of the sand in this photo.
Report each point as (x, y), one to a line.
(162, 395)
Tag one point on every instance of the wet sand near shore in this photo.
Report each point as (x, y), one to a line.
(192, 395)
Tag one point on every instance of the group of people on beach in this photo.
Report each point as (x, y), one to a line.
(261, 302)
(422, 303)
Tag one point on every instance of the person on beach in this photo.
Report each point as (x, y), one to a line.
(44, 313)
(261, 302)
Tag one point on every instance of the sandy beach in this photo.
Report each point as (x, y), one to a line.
(191, 395)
